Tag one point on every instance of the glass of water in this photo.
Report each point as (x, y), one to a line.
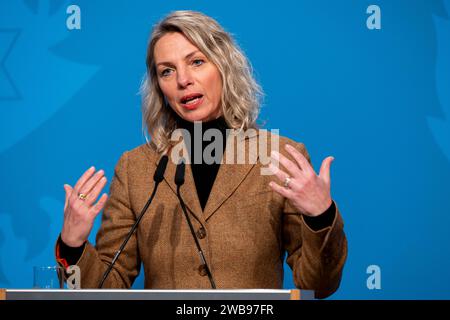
(48, 277)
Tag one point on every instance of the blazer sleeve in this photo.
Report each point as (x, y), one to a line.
(117, 220)
(316, 257)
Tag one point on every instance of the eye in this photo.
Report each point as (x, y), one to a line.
(198, 62)
(165, 72)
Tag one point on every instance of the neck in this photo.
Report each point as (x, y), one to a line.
(196, 131)
(218, 123)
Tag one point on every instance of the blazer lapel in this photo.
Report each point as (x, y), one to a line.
(230, 174)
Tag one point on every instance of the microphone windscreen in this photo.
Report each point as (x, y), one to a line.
(179, 174)
(160, 169)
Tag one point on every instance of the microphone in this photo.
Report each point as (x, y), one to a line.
(179, 181)
(179, 173)
(157, 177)
(160, 169)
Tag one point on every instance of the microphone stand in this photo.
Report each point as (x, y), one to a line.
(179, 180)
(158, 177)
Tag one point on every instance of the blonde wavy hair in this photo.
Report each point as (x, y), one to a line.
(241, 94)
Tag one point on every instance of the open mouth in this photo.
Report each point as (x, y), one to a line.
(191, 99)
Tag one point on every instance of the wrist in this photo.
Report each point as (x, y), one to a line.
(323, 220)
(322, 209)
(73, 243)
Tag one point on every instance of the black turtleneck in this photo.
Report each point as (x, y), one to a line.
(204, 173)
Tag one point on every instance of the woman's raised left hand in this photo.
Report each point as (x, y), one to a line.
(308, 192)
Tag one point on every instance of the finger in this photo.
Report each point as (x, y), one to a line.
(299, 158)
(68, 190)
(98, 206)
(325, 169)
(91, 182)
(285, 192)
(86, 175)
(291, 167)
(93, 194)
(280, 174)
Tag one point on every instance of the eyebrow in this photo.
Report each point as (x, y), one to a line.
(188, 56)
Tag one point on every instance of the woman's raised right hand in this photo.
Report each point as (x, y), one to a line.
(80, 208)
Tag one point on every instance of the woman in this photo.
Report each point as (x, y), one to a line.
(244, 221)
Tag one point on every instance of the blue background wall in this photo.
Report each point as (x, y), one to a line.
(378, 100)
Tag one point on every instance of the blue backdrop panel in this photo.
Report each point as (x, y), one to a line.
(377, 100)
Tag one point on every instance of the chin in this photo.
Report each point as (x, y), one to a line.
(197, 115)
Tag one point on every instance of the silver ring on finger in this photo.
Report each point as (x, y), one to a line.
(287, 181)
(82, 196)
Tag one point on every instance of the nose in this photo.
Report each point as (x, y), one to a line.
(184, 78)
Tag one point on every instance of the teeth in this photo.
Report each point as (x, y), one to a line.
(192, 101)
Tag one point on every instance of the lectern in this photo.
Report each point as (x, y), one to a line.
(104, 294)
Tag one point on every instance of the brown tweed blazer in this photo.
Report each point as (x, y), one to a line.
(245, 231)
